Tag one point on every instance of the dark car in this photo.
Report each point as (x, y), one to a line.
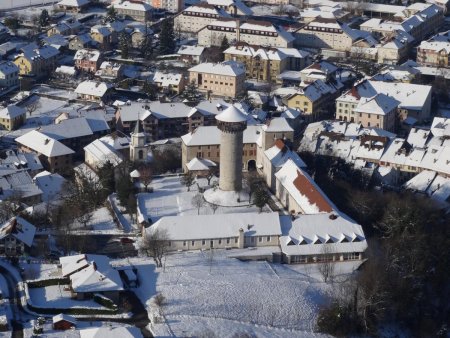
(126, 240)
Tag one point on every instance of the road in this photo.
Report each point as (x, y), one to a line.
(18, 314)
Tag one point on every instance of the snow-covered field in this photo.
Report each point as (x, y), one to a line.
(11, 4)
(228, 296)
(170, 198)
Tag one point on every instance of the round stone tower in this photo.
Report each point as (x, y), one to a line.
(232, 122)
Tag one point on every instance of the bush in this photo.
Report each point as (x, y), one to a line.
(335, 320)
(48, 282)
(105, 301)
(159, 299)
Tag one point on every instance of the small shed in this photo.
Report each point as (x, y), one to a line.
(63, 322)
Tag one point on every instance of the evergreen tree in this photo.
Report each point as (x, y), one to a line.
(150, 89)
(44, 18)
(111, 15)
(124, 44)
(167, 38)
(147, 46)
(261, 198)
(191, 92)
(225, 44)
(106, 174)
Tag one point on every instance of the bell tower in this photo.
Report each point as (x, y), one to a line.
(138, 148)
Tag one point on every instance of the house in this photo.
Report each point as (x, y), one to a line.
(90, 274)
(74, 5)
(139, 34)
(63, 322)
(201, 167)
(314, 99)
(12, 117)
(172, 6)
(97, 153)
(241, 230)
(196, 17)
(232, 7)
(19, 182)
(435, 52)
(68, 27)
(55, 156)
(262, 33)
(191, 54)
(37, 61)
(16, 236)
(135, 10)
(51, 185)
(298, 193)
(87, 60)
(9, 74)
(223, 79)
(321, 238)
(112, 332)
(13, 160)
(80, 41)
(169, 82)
(110, 71)
(93, 91)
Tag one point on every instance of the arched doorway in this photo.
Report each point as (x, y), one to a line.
(251, 165)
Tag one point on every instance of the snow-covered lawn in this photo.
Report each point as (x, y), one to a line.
(33, 271)
(229, 296)
(54, 296)
(46, 110)
(10, 4)
(102, 222)
(171, 198)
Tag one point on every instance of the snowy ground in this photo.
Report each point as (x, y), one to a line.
(170, 198)
(262, 10)
(55, 296)
(229, 296)
(102, 222)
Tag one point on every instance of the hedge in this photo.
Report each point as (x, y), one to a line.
(48, 282)
(72, 311)
(105, 301)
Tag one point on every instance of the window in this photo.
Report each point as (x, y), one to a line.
(184, 243)
(220, 241)
(236, 240)
(268, 238)
(203, 242)
(259, 239)
(193, 243)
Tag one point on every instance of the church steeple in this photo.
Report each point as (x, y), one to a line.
(138, 147)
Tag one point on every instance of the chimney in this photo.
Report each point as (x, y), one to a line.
(241, 238)
(238, 31)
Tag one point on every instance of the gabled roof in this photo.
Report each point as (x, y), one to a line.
(74, 3)
(279, 154)
(94, 88)
(11, 112)
(43, 144)
(103, 152)
(379, 104)
(309, 197)
(277, 124)
(197, 164)
(66, 129)
(229, 68)
(19, 228)
(62, 316)
(111, 332)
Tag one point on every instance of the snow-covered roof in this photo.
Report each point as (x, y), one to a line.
(74, 3)
(102, 152)
(19, 228)
(321, 233)
(11, 112)
(90, 273)
(421, 181)
(277, 124)
(191, 50)
(31, 53)
(62, 316)
(379, 104)
(50, 184)
(168, 79)
(133, 5)
(198, 164)
(111, 332)
(196, 227)
(8, 67)
(68, 70)
(87, 54)
(231, 115)
(93, 88)
(210, 135)
(68, 128)
(228, 68)
(279, 154)
(309, 197)
(43, 144)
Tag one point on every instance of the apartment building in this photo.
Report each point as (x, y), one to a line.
(9, 74)
(328, 33)
(435, 52)
(232, 7)
(223, 79)
(37, 61)
(87, 60)
(261, 33)
(135, 10)
(196, 17)
(172, 6)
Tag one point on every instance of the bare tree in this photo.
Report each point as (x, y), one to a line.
(155, 243)
(253, 182)
(32, 107)
(188, 180)
(214, 206)
(326, 267)
(210, 174)
(146, 175)
(85, 217)
(198, 202)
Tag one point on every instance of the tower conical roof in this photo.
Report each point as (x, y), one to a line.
(138, 129)
(231, 114)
